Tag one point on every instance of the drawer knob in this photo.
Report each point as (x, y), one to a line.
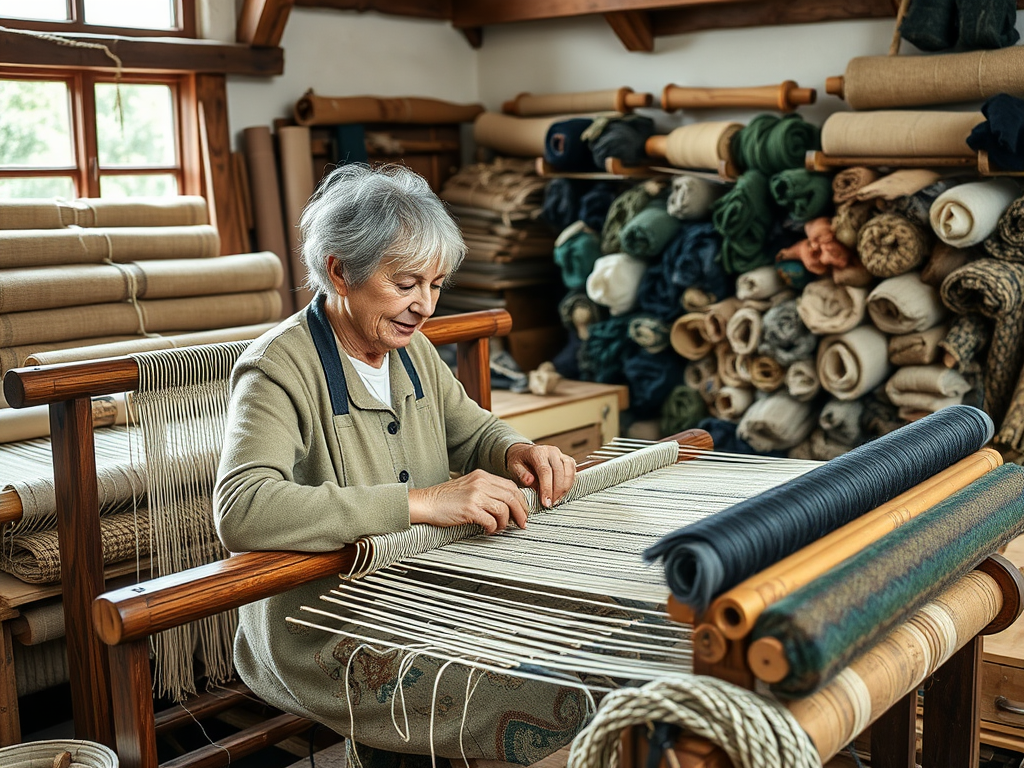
(1006, 705)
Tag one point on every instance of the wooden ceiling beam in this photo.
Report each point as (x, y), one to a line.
(427, 9)
(762, 13)
(633, 28)
(478, 13)
(262, 22)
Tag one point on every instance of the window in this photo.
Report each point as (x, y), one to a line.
(137, 18)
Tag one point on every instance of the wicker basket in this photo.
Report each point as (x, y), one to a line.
(40, 754)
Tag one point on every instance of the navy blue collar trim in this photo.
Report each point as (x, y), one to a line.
(327, 349)
(414, 377)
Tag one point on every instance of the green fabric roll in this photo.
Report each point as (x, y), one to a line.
(743, 217)
(623, 208)
(682, 409)
(601, 354)
(770, 143)
(576, 256)
(804, 194)
(646, 234)
(890, 580)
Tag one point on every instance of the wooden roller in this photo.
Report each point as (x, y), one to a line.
(785, 97)
(623, 100)
(338, 110)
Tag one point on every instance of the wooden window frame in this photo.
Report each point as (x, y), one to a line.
(184, 12)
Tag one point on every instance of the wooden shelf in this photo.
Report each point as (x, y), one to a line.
(819, 161)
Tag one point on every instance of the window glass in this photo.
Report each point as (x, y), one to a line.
(35, 124)
(42, 10)
(150, 185)
(146, 135)
(39, 186)
(151, 14)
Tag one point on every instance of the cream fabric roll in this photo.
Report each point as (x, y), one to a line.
(700, 145)
(46, 247)
(726, 358)
(919, 348)
(732, 402)
(802, 380)
(760, 283)
(692, 197)
(775, 423)
(614, 281)
(744, 330)
(688, 338)
(905, 304)
(926, 387)
(827, 308)
(716, 319)
(968, 213)
(854, 363)
(899, 133)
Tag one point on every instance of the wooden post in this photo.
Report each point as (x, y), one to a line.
(952, 699)
(10, 725)
(894, 735)
(133, 704)
(473, 360)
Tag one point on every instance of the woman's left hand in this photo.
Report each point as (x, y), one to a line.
(543, 468)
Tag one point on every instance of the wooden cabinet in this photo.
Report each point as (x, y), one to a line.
(1002, 678)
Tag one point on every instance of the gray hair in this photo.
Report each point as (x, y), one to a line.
(363, 216)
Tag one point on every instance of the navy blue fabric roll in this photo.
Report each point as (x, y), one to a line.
(704, 559)
(1002, 133)
(561, 203)
(623, 138)
(693, 256)
(564, 147)
(603, 352)
(651, 378)
(566, 361)
(657, 294)
(595, 202)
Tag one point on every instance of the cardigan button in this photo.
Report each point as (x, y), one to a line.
(403, 476)
(393, 427)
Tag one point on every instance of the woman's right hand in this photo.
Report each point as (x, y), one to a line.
(478, 497)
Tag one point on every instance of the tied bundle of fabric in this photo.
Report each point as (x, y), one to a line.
(1007, 242)
(564, 147)
(743, 217)
(602, 353)
(561, 203)
(577, 248)
(784, 337)
(888, 581)
(651, 378)
(646, 234)
(770, 143)
(614, 280)
(683, 409)
(623, 208)
(773, 423)
(692, 197)
(890, 244)
(595, 202)
(622, 138)
(1002, 133)
(966, 214)
(705, 559)
(938, 25)
(804, 194)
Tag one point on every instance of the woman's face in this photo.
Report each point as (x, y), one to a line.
(384, 312)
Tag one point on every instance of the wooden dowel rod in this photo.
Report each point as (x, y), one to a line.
(785, 97)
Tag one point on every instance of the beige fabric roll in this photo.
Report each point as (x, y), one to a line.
(900, 183)
(775, 423)
(687, 336)
(726, 359)
(966, 214)
(926, 387)
(516, 136)
(177, 211)
(760, 283)
(879, 82)
(16, 357)
(700, 145)
(716, 319)
(905, 304)
(743, 364)
(849, 181)
(534, 104)
(849, 219)
(744, 330)
(297, 184)
(696, 372)
(732, 402)
(338, 110)
(944, 260)
(919, 348)
(188, 314)
(802, 380)
(766, 373)
(47, 247)
(695, 299)
(827, 308)
(854, 363)
(21, 424)
(899, 134)
(33, 288)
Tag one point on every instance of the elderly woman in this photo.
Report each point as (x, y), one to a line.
(345, 422)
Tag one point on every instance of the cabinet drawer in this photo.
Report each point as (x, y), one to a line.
(578, 443)
(1001, 680)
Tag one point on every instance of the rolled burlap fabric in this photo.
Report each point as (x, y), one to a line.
(966, 214)
(852, 364)
(776, 422)
(944, 259)
(919, 348)
(687, 337)
(890, 245)
(899, 133)
(1007, 242)
(966, 338)
(802, 380)
(827, 308)
(743, 330)
(849, 219)
(905, 304)
(766, 373)
(849, 181)
(926, 387)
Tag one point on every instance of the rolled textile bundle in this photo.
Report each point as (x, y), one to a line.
(657, 294)
(901, 183)
(614, 280)
(651, 378)
(716, 319)
(621, 137)
(853, 363)
(515, 136)
(784, 336)
(760, 283)
(646, 234)
(770, 143)
(603, 352)
(682, 410)
(578, 311)
(696, 299)
(994, 289)
(904, 133)
(732, 402)
(623, 208)
(151, 316)
(918, 348)
(595, 202)
(966, 214)
(723, 433)
(698, 374)
(743, 218)
(693, 255)
(649, 333)
(848, 182)
(744, 330)
(926, 387)
(804, 194)
(832, 253)
(802, 380)
(849, 219)
(804, 252)
(726, 359)
(611, 100)
(15, 357)
(337, 110)
(794, 274)
(944, 259)
(967, 337)
(841, 421)
(905, 304)
(688, 338)
(763, 305)
(506, 185)
(766, 373)
(577, 249)
(890, 244)
(691, 197)
(564, 147)
(51, 247)
(700, 145)
(743, 368)
(55, 213)
(1001, 135)
(827, 308)
(775, 423)
(561, 203)
(268, 212)
(1007, 242)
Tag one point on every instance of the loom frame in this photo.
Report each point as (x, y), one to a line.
(105, 692)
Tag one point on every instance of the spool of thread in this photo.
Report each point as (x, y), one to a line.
(786, 96)
(699, 145)
(614, 100)
(899, 134)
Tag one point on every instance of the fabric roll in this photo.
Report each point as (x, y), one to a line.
(578, 312)
(38, 288)
(926, 387)
(723, 433)
(688, 338)
(649, 333)
(515, 136)
(849, 219)
(268, 214)
(657, 294)
(697, 372)
(966, 214)
(841, 421)
(917, 207)
(890, 245)
(853, 363)
(763, 305)
(506, 184)
(944, 259)
(692, 197)
(744, 330)
(683, 409)
(732, 402)
(297, 185)
(50, 247)
(623, 208)
(819, 446)
(621, 137)
(772, 143)
(1007, 242)
(693, 260)
(564, 147)
(577, 249)
(614, 281)
(646, 234)
(16, 357)
(696, 299)
(903, 133)
(595, 202)
(743, 366)
(760, 283)
(1002, 133)
(54, 213)
(766, 373)
(716, 319)
(802, 380)
(188, 314)
(804, 194)
(784, 336)
(854, 274)
(701, 145)
(651, 378)
(905, 304)
(602, 353)
(919, 348)
(726, 359)
(826, 308)
(900, 183)
(967, 337)
(743, 217)
(848, 182)
(775, 423)
(794, 274)
(832, 254)
(561, 203)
